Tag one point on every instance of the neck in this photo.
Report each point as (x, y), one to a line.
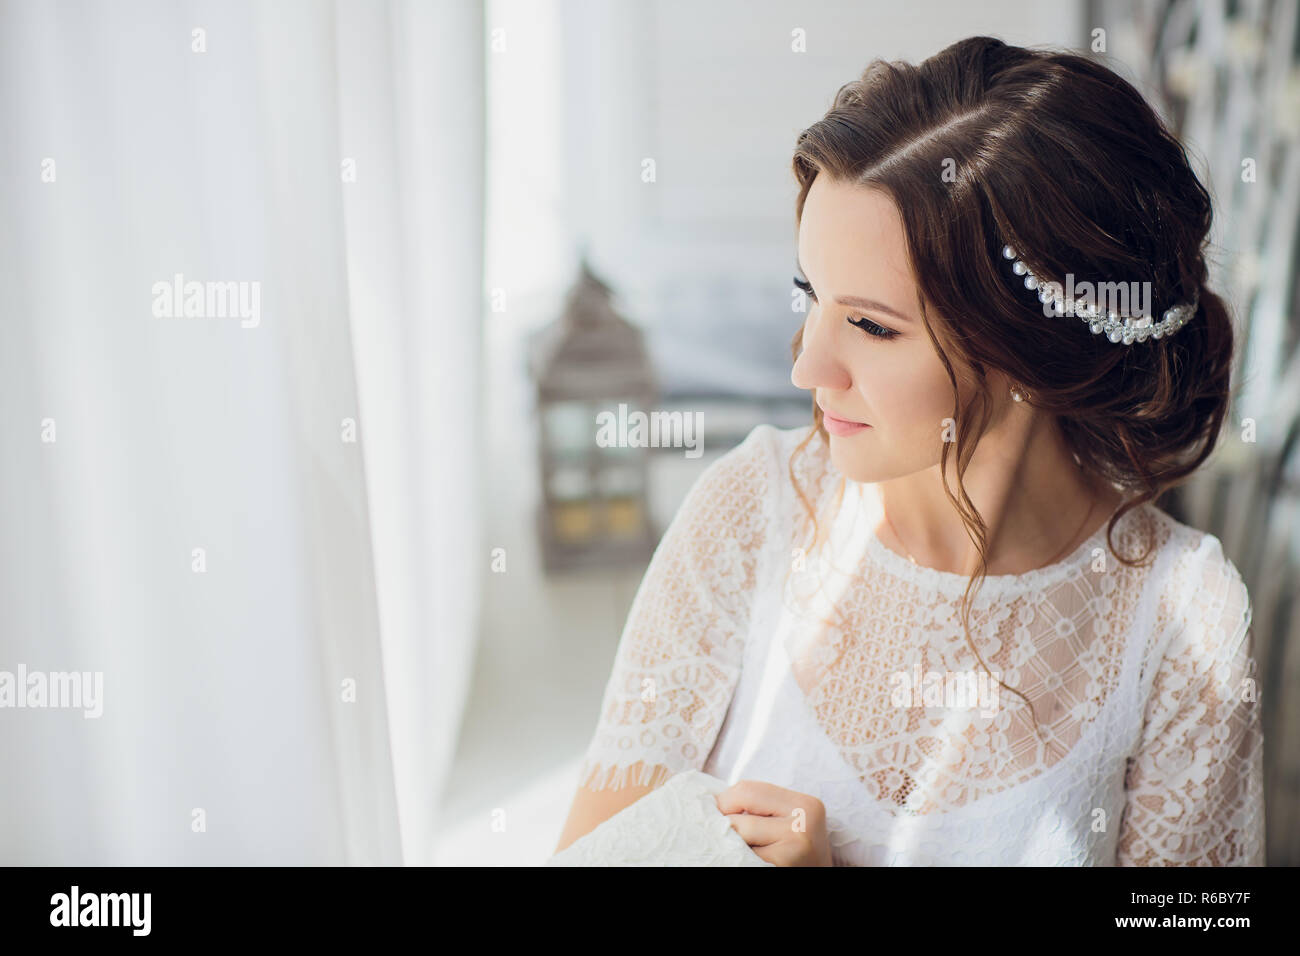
(1023, 482)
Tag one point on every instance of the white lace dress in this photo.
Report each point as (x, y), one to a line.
(748, 654)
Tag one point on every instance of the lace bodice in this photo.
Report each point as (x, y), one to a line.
(843, 671)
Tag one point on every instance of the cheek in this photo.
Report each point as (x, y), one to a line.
(908, 390)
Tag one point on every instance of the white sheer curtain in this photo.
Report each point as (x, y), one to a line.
(283, 617)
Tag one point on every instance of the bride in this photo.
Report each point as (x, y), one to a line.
(976, 494)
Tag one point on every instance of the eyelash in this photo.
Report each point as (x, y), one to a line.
(866, 325)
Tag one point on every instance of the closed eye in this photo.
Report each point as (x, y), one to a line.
(865, 324)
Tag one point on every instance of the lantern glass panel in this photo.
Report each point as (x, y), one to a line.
(569, 428)
(619, 481)
(570, 484)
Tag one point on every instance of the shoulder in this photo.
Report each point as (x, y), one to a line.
(727, 498)
(745, 491)
(768, 466)
(1205, 601)
(1206, 574)
(766, 442)
(757, 464)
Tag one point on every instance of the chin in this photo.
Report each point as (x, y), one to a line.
(868, 464)
(853, 463)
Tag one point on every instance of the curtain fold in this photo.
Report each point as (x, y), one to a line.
(224, 503)
(412, 95)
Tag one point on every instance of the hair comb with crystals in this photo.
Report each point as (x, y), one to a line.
(1119, 327)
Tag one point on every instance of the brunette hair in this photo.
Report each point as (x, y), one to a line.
(985, 143)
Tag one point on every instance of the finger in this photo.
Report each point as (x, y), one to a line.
(766, 799)
(753, 796)
(758, 830)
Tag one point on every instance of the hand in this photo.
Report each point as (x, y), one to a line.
(784, 827)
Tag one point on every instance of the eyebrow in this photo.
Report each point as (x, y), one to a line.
(858, 301)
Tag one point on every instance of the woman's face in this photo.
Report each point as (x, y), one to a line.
(866, 356)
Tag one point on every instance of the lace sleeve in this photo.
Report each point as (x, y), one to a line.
(679, 658)
(1195, 787)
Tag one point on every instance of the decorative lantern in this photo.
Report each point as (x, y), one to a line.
(586, 364)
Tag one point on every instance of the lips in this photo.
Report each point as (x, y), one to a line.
(840, 418)
(841, 426)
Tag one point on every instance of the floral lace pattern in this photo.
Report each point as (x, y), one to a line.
(749, 654)
(1196, 786)
(681, 650)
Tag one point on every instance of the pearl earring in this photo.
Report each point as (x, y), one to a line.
(1018, 394)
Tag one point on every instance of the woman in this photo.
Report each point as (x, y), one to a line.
(948, 623)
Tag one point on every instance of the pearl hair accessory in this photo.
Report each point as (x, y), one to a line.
(1117, 327)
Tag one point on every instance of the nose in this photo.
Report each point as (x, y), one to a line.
(817, 365)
